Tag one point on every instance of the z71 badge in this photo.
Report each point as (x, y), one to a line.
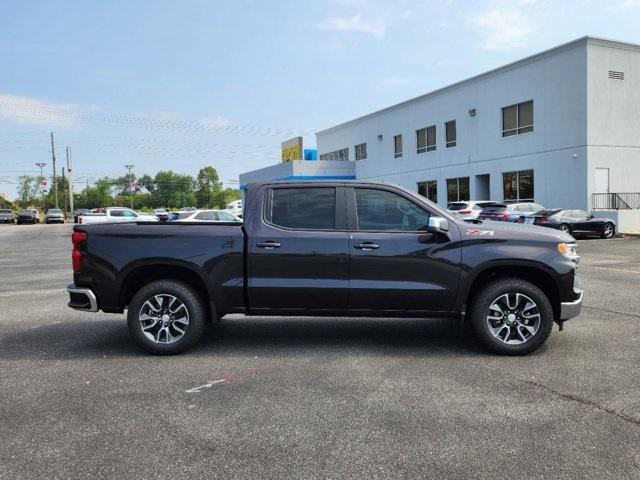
(480, 233)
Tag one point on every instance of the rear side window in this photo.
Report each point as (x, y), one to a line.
(302, 208)
(208, 216)
(117, 213)
(379, 210)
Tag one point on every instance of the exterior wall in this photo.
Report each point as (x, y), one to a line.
(557, 83)
(614, 115)
(301, 170)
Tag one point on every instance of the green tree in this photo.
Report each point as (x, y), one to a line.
(223, 197)
(29, 191)
(173, 190)
(208, 186)
(99, 195)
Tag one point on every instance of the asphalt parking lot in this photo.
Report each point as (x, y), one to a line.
(312, 398)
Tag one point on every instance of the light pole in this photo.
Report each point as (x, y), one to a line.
(130, 167)
(41, 165)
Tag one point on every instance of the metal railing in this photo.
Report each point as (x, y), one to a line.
(615, 201)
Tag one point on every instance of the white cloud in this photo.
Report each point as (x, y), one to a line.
(21, 109)
(505, 26)
(357, 24)
(215, 122)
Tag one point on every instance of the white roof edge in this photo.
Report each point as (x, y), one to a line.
(586, 40)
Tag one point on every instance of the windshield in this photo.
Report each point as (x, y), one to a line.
(494, 208)
(548, 213)
(457, 206)
(54, 210)
(26, 212)
(2, 210)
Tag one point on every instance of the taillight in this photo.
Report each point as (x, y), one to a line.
(464, 212)
(541, 220)
(502, 215)
(77, 238)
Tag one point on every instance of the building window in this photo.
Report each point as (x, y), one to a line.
(457, 189)
(426, 139)
(450, 133)
(361, 151)
(429, 189)
(341, 155)
(397, 146)
(517, 119)
(518, 186)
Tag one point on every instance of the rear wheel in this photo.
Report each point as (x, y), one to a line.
(166, 317)
(565, 228)
(608, 230)
(511, 316)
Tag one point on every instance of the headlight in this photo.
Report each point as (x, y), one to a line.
(569, 250)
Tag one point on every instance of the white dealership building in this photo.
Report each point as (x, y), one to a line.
(554, 128)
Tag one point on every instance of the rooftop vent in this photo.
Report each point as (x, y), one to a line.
(616, 75)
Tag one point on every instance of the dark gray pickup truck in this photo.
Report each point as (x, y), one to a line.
(329, 249)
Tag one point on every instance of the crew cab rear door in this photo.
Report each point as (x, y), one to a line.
(394, 264)
(298, 248)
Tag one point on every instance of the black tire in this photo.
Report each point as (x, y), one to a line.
(565, 228)
(191, 300)
(608, 230)
(480, 310)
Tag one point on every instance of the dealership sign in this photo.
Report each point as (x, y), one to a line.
(292, 149)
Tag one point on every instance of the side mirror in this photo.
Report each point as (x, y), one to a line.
(438, 225)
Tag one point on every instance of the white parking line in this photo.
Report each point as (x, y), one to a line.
(206, 385)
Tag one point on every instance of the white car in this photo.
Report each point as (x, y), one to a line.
(235, 208)
(116, 215)
(208, 216)
(468, 209)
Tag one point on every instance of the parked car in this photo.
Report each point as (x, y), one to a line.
(6, 215)
(215, 216)
(574, 222)
(78, 213)
(116, 215)
(511, 212)
(329, 249)
(162, 214)
(54, 215)
(469, 209)
(235, 208)
(28, 215)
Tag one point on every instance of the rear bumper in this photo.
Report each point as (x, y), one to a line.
(82, 299)
(572, 309)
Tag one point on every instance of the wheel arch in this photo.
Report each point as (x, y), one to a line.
(535, 273)
(140, 274)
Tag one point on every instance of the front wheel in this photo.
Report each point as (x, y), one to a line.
(565, 228)
(166, 317)
(608, 230)
(511, 316)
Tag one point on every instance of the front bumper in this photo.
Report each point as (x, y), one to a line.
(82, 299)
(572, 309)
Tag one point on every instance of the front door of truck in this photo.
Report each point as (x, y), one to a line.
(298, 250)
(394, 264)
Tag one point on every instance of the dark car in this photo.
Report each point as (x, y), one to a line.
(6, 215)
(512, 212)
(30, 215)
(328, 249)
(574, 222)
(162, 214)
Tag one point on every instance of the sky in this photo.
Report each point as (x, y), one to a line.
(178, 85)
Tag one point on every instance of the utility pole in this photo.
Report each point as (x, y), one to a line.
(70, 181)
(53, 158)
(130, 167)
(41, 165)
(64, 195)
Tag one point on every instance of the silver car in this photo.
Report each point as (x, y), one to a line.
(6, 215)
(55, 215)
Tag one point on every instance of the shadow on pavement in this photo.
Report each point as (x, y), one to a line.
(254, 336)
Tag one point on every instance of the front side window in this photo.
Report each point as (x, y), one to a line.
(378, 210)
(361, 151)
(129, 213)
(302, 208)
(397, 146)
(518, 186)
(457, 189)
(426, 139)
(429, 189)
(225, 217)
(450, 133)
(517, 119)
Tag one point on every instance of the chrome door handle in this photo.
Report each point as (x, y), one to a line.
(366, 246)
(269, 245)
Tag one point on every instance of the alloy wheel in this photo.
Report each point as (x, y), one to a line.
(163, 318)
(608, 231)
(514, 318)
